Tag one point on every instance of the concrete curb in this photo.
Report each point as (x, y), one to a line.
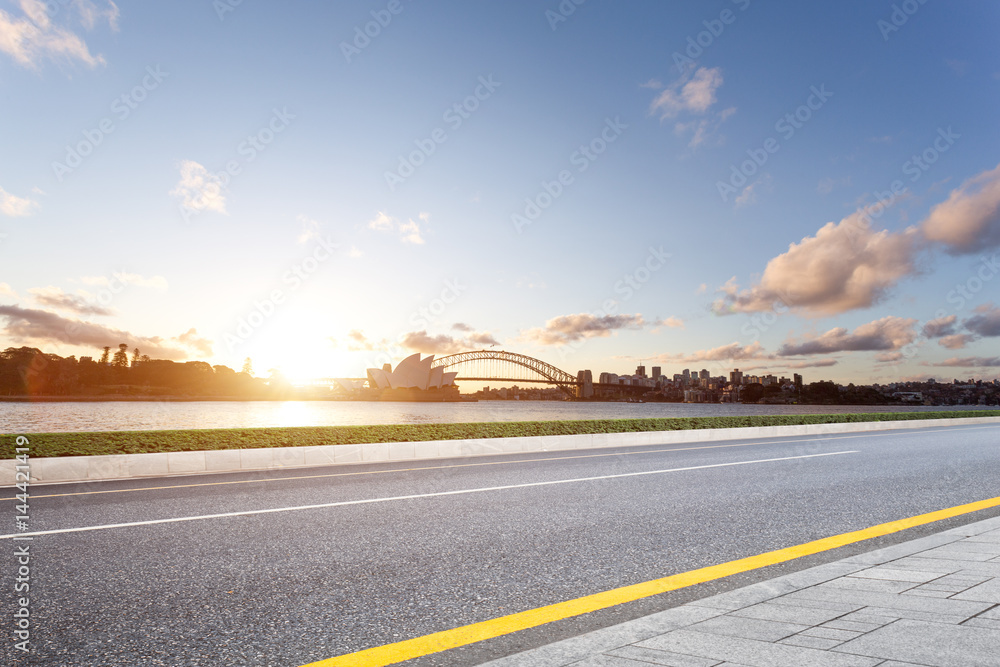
(135, 466)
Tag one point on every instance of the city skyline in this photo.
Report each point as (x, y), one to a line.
(665, 185)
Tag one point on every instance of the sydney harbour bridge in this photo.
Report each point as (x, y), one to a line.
(503, 366)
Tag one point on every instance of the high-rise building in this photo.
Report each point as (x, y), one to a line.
(798, 381)
(736, 377)
(656, 372)
(640, 371)
(704, 375)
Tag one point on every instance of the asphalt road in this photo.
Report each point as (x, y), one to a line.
(291, 587)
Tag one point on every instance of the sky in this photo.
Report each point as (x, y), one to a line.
(781, 187)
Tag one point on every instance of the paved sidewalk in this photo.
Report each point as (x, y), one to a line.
(934, 601)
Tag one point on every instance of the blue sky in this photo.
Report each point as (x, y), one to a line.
(265, 180)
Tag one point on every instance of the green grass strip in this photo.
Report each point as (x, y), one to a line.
(138, 442)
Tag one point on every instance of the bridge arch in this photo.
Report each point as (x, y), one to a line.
(546, 373)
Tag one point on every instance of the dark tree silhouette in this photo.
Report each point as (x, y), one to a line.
(247, 367)
(106, 357)
(120, 359)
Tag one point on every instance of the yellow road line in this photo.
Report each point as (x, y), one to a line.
(496, 627)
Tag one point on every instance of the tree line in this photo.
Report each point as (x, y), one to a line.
(27, 371)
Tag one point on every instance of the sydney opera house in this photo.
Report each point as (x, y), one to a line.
(412, 379)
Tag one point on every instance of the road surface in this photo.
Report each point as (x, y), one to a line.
(286, 568)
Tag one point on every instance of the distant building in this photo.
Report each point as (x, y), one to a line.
(736, 377)
(640, 371)
(656, 372)
(410, 373)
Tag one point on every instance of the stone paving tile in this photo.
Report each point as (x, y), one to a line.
(950, 553)
(866, 616)
(897, 663)
(787, 613)
(892, 574)
(935, 586)
(912, 614)
(928, 644)
(980, 622)
(748, 628)
(986, 592)
(857, 584)
(897, 603)
(970, 546)
(744, 597)
(922, 592)
(897, 551)
(926, 564)
(966, 567)
(992, 537)
(842, 607)
(667, 658)
(991, 613)
(831, 633)
(608, 661)
(807, 641)
(751, 651)
(856, 626)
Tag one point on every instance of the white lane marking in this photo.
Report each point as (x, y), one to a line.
(344, 503)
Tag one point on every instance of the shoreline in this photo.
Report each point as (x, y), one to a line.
(91, 443)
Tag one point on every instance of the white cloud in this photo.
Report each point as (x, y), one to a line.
(16, 207)
(198, 189)
(31, 37)
(310, 229)
(730, 352)
(887, 334)
(27, 325)
(969, 220)
(569, 328)
(56, 298)
(843, 267)
(673, 323)
(7, 290)
(692, 93)
(124, 277)
(355, 252)
(749, 194)
(409, 231)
